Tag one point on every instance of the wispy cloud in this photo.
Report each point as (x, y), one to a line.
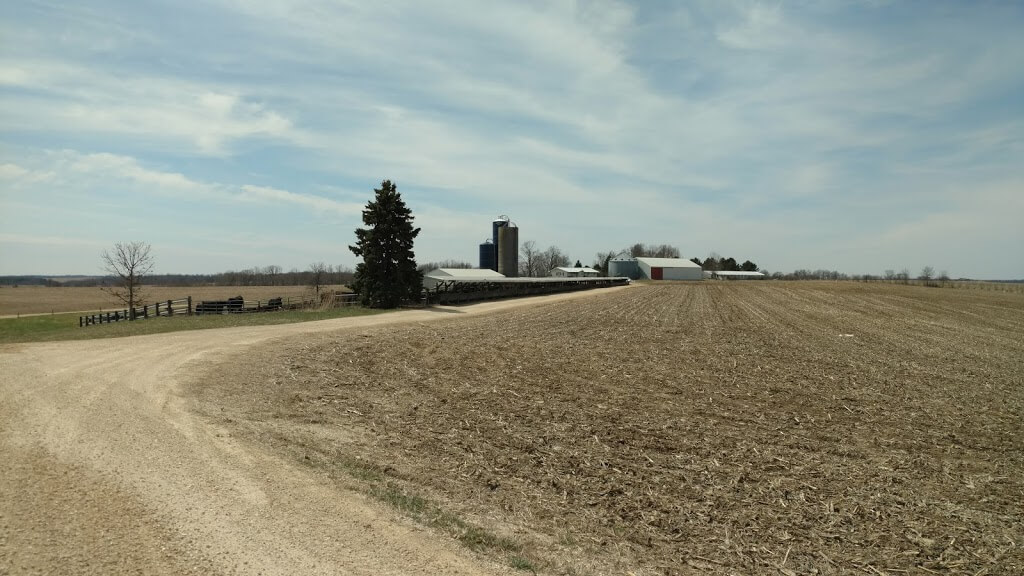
(789, 133)
(53, 96)
(316, 203)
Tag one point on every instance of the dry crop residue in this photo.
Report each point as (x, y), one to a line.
(830, 428)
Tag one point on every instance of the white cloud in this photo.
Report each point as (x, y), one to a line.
(776, 127)
(316, 203)
(761, 27)
(162, 112)
(49, 241)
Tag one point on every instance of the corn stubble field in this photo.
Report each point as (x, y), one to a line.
(722, 428)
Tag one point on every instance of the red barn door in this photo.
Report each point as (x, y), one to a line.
(655, 273)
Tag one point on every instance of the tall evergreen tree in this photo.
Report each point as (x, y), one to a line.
(387, 276)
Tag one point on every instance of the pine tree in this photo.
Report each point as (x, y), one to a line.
(387, 276)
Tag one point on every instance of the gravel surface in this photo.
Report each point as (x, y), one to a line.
(108, 470)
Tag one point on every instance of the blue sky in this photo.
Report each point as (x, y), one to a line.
(851, 135)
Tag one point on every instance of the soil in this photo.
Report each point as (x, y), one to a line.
(711, 428)
(107, 469)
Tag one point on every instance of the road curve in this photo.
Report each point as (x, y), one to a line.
(106, 470)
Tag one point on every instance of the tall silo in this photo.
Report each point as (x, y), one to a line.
(498, 223)
(488, 255)
(508, 250)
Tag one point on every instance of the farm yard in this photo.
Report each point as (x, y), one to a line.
(774, 428)
(25, 300)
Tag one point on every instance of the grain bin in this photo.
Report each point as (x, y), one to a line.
(488, 256)
(628, 267)
(508, 250)
(499, 222)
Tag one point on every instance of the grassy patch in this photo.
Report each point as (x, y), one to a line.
(520, 563)
(471, 536)
(409, 504)
(65, 326)
(377, 482)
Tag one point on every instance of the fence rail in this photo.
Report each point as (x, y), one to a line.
(165, 308)
(237, 305)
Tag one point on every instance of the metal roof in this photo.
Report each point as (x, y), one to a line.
(737, 273)
(464, 273)
(668, 262)
(584, 269)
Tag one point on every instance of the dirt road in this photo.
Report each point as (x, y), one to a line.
(106, 470)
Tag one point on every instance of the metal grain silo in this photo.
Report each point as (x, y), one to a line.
(508, 250)
(628, 267)
(499, 222)
(488, 255)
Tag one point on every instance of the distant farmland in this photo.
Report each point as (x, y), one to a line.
(43, 299)
(722, 428)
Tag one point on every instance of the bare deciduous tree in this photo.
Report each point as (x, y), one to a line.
(129, 262)
(640, 250)
(603, 258)
(318, 273)
(551, 258)
(529, 264)
(926, 275)
(271, 274)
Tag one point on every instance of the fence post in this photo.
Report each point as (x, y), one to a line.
(170, 309)
(145, 311)
(80, 323)
(157, 313)
(189, 305)
(108, 317)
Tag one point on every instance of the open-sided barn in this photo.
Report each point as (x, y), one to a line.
(438, 275)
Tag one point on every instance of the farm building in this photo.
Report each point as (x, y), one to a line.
(438, 275)
(500, 252)
(624, 268)
(733, 275)
(570, 272)
(669, 269)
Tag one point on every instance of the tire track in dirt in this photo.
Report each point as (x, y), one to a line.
(107, 469)
(654, 427)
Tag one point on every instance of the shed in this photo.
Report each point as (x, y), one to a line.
(572, 272)
(737, 275)
(669, 269)
(432, 278)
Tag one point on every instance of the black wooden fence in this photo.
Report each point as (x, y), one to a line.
(236, 305)
(165, 308)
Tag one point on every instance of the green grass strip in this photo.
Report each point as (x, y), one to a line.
(49, 328)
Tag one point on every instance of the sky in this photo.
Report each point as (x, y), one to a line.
(850, 135)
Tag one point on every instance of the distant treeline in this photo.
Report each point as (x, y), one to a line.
(268, 276)
(725, 264)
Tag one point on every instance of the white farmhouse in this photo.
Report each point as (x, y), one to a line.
(572, 272)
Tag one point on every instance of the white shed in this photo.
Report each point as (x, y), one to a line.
(434, 277)
(571, 272)
(669, 269)
(737, 275)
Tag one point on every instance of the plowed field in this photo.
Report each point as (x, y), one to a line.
(723, 428)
